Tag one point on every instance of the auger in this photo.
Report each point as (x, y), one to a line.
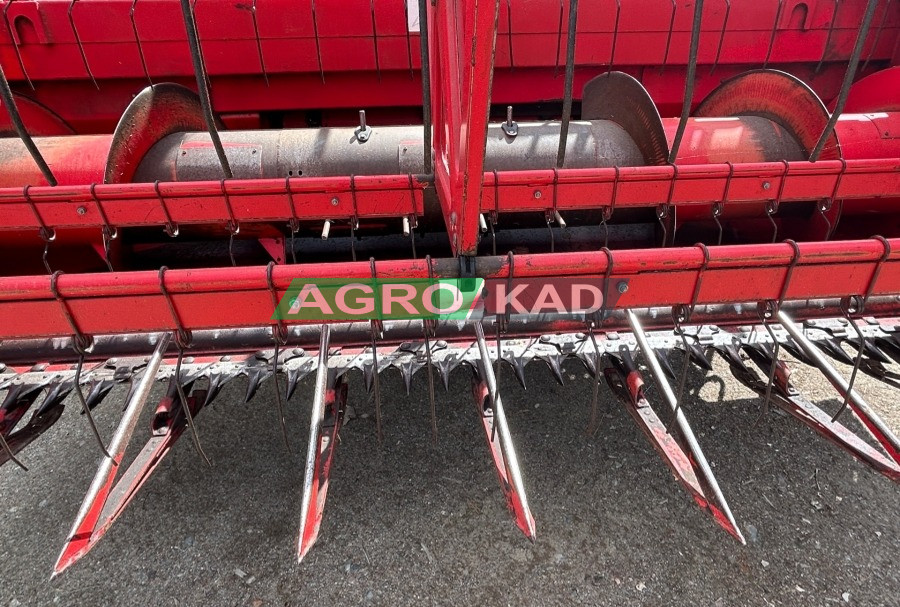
(197, 192)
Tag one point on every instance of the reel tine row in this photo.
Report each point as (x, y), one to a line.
(611, 355)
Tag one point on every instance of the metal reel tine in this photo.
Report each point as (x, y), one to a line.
(679, 315)
(84, 405)
(278, 398)
(376, 382)
(595, 392)
(185, 407)
(429, 363)
(10, 456)
(766, 310)
(96, 515)
(847, 307)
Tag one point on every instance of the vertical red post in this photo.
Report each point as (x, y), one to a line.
(463, 35)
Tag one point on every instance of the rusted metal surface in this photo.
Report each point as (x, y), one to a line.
(156, 112)
(620, 98)
(778, 96)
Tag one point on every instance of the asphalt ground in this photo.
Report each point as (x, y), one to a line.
(412, 522)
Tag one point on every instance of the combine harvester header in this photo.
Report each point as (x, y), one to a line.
(195, 192)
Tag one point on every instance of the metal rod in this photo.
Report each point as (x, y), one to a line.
(85, 408)
(686, 364)
(429, 363)
(186, 406)
(570, 78)
(680, 420)
(856, 363)
(874, 45)
(689, 80)
(317, 416)
(120, 440)
(6, 95)
(137, 39)
(592, 424)
(84, 59)
(862, 409)
(10, 454)
(426, 81)
(190, 27)
(848, 80)
(278, 399)
(506, 443)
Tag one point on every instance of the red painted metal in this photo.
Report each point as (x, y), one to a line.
(521, 513)
(278, 200)
(39, 120)
(78, 159)
(873, 93)
(203, 202)
(822, 423)
(113, 497)
(335, 402)
(286, 63)
(281, 55)
(626, 381)
(461, 90)
(212, 298)
(513, 191)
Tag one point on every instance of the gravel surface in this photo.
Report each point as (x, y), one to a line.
(412, 522)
